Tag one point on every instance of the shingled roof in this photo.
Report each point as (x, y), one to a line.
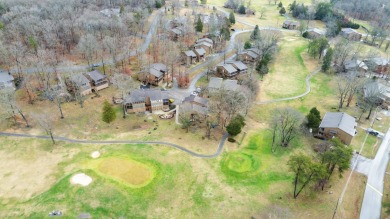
(339, 120)
(95, 75)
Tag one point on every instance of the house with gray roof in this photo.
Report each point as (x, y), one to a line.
(78, 84)
(241, 67)
(194, 104)
(200, 54)
(6, 80)
(218, 83)
(98, 80)
(157, 73)
(379, 90)
(338, 124)
(248, 56)
(146, 100)
(313, 33)
(379, 65)
(227, 70)
(189, 57)
(292, 25)
(355, 65)
(351, 34)
(215, 84)
(207, 46)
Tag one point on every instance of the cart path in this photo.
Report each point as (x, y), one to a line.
(58, 138)
(308, 89)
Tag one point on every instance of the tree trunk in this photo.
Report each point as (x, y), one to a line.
(60, 108)
(24, 118)
(296, 184)
(51, 136)
(369, 113)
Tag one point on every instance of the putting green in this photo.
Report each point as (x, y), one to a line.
(240, 163)
(131, 172)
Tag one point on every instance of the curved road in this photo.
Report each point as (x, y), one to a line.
(218, 152)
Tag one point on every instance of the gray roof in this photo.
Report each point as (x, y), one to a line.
(208, 40)
(5, 77)
(339, 120)
(215, 83)
(95, 75)
(200, 51)
(353, 64)
(140, 95)
(230, 85)
(159, 67)
(193, 98)
(229, 68)
(290, 22)
(155, 72)
(203, 43)
(377, 88)
(254, 50)
(379, 61)
(79, 79)
(239, 65)
(188, 107)
(176, 31)
(316, 30)
(190, 53)
(348, 30)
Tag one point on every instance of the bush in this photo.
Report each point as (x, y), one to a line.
(241, 9)
(231, 140)
(349, 24)
(247, 45)
(305, 34)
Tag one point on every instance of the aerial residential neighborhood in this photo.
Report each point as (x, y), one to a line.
(195, 109)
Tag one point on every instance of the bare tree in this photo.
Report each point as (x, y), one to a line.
(58, 96)
(285, 125)
(9, 104)
(46, 122)
(125, 84)
(372, 95)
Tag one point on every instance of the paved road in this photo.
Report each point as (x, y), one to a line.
(308, 89)
(372, 201)
(57, 138)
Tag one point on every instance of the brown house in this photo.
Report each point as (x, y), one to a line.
(241, 67)
(208, 47)
(379, 65)
(314, 33)
(227, 70)
(337, 124)
(97, 80)
(292, 25)
(200, 54)
(78, 84)
(351, 34)
(146, 100)
(156, 73)
(189, 57)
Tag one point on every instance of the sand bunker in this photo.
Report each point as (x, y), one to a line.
(81, 179)
(95, 154)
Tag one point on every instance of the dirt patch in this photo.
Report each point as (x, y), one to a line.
(23, 178)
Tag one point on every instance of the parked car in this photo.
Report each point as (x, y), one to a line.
(372, 132)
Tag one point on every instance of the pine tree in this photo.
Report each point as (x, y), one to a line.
(199, 25)
(109, 114)
(327, 60)
(255, 34)
(247, 45)
(282, 11)
(242, 9)
(280, 5)
(232, 19)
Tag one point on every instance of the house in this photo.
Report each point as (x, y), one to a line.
(97, 80)
(292, 25)
(350, 34)
(338, 124)
(175, 33)
(195, 105)
(156, 73)
(355, 65)
(379, 65)
(189, 57)
(109, 12)
(200, 54)
(227, 70)
(313, 33)
(216, 84)
(79, 84)
(241, 67)
(6, 80)
(378, 89)
(249, 55)
(208, 47)
(205, 39)
(146, 100)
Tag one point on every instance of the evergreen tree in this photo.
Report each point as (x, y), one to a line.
(313, 118)
(255, 35)
(199, 25)
(282, 11)
(235, 126)
(203, 2)
(327, 60)
(241, 9)
(158, 4)
(109, 114)
(247, 45)
(280, 5)
(232, 19)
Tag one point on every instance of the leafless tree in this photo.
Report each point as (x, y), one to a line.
(46, 122)
(125, 84)
(9, 104)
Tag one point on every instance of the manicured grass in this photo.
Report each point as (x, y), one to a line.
(131, 172)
